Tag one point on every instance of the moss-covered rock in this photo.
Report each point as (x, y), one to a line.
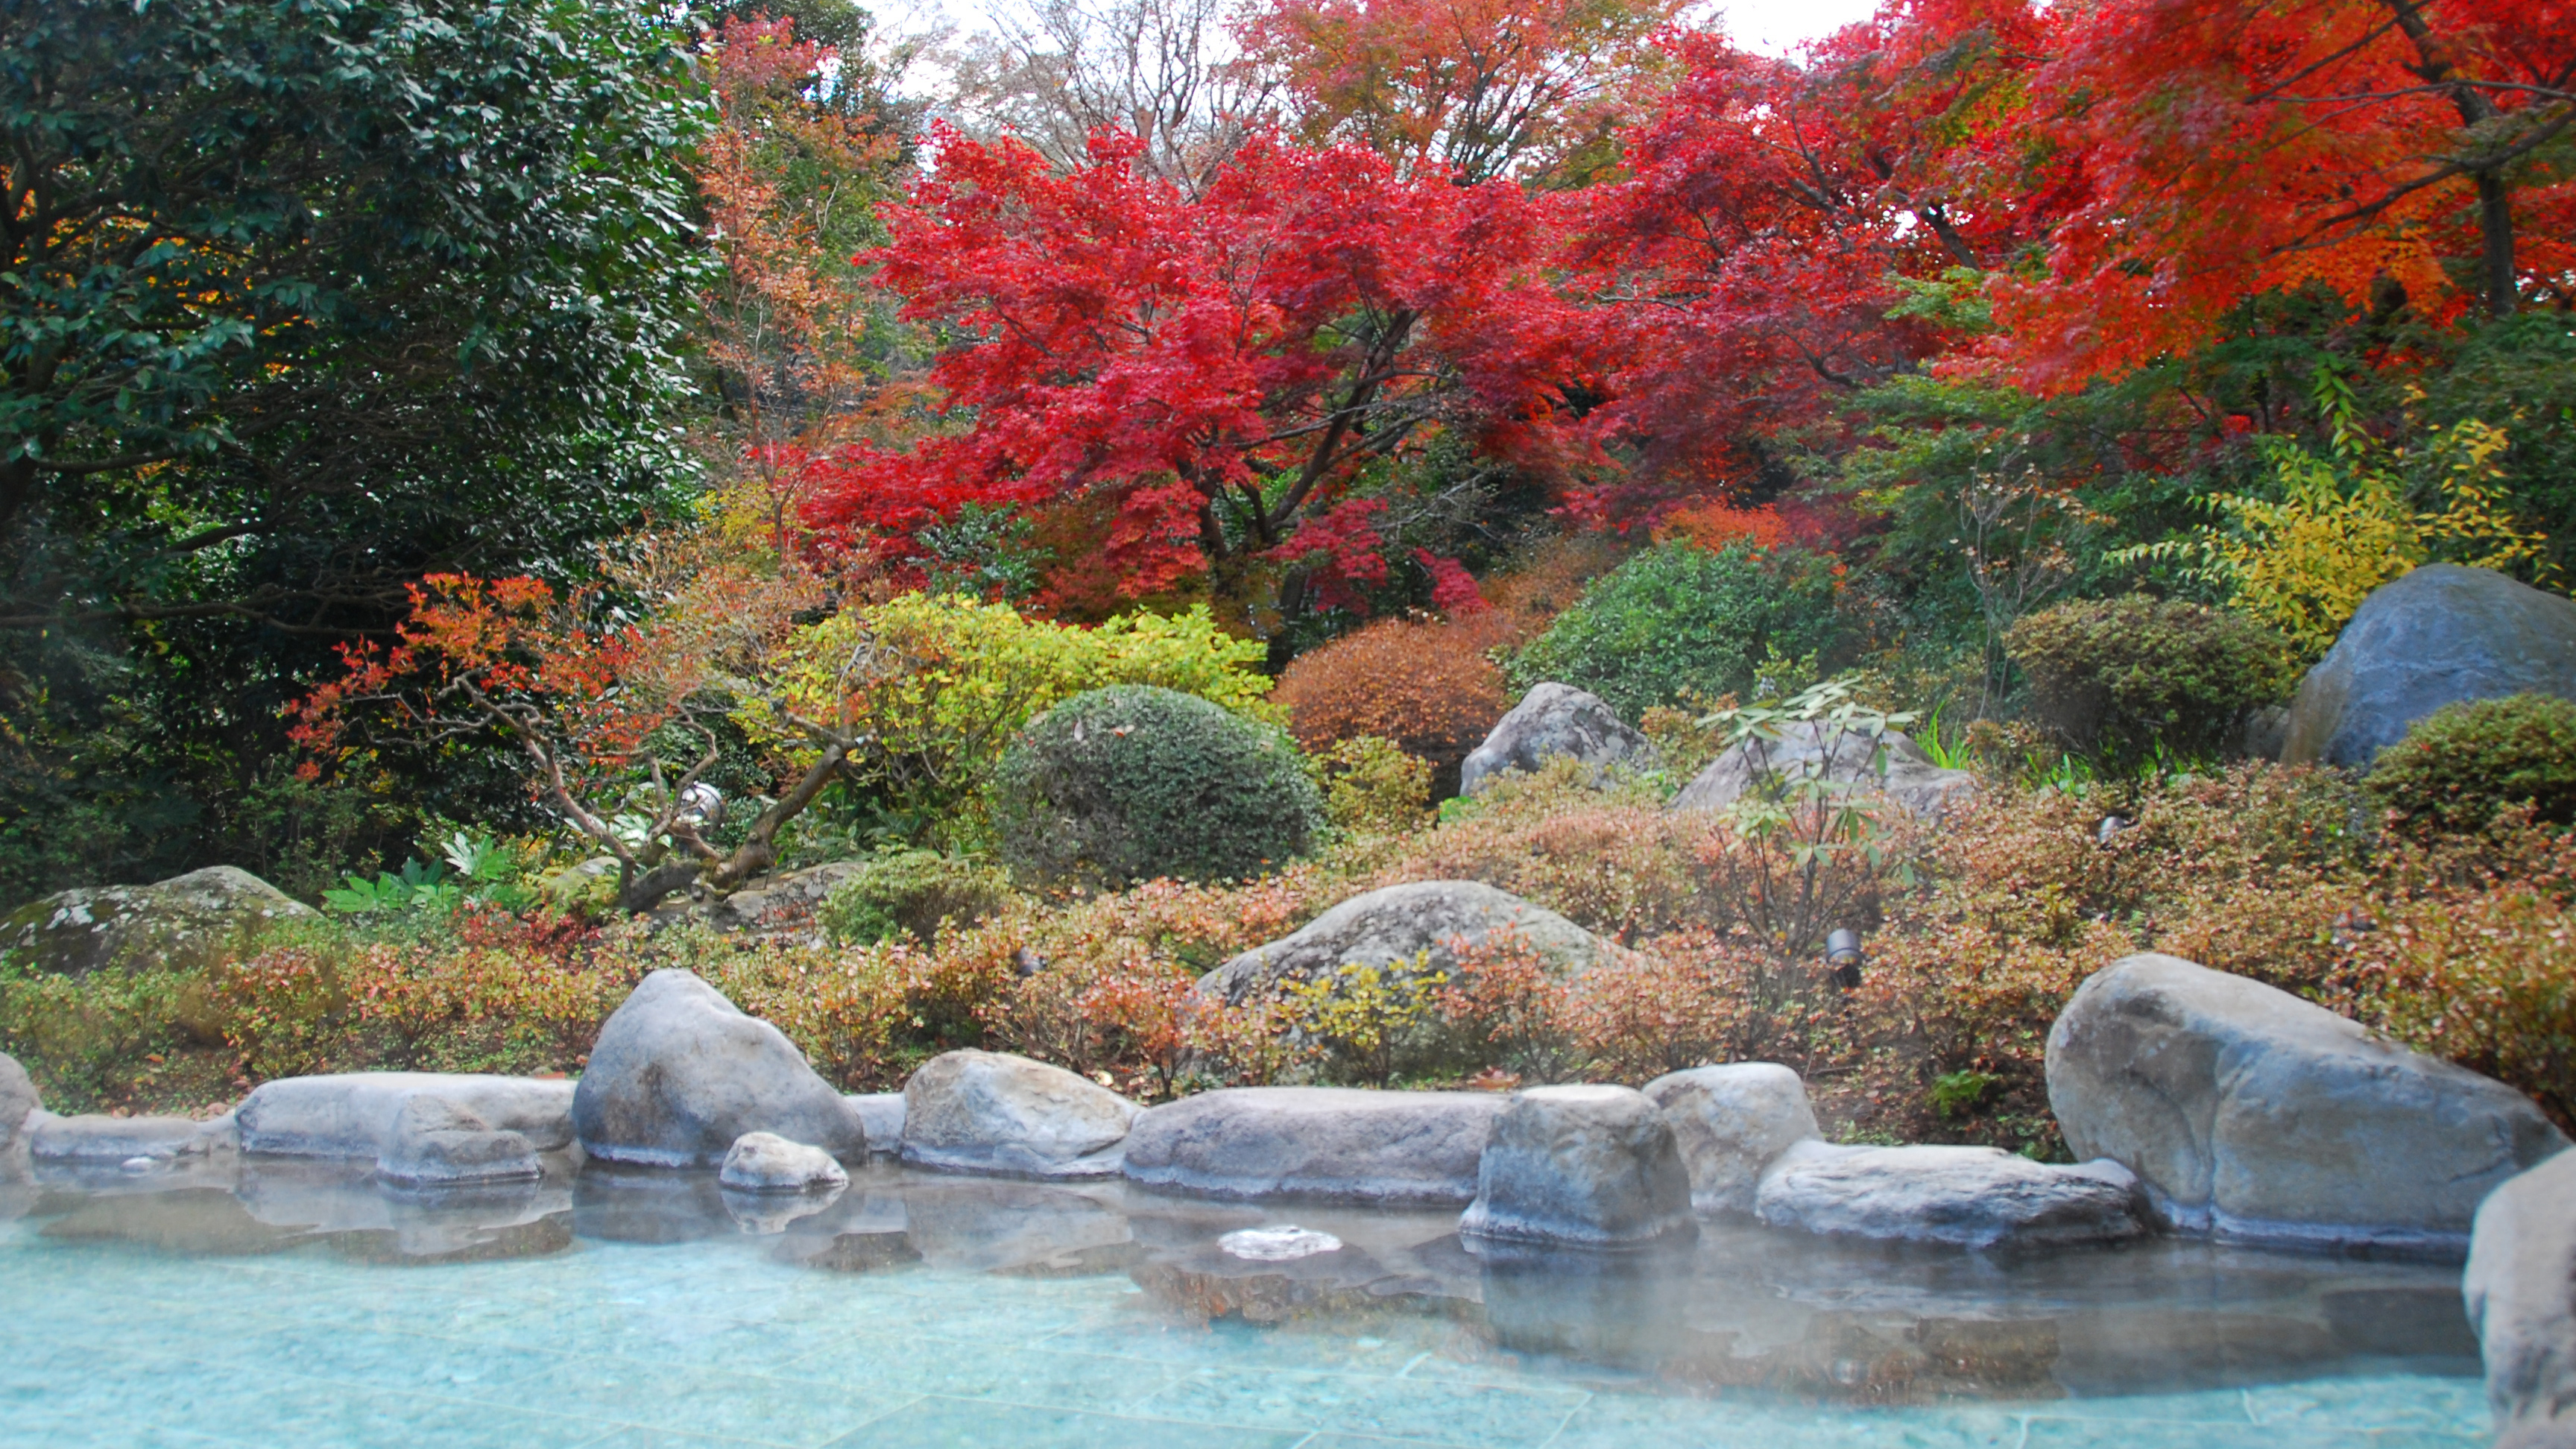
(186, 923)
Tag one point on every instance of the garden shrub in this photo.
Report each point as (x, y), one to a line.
(1135, 782)
(936, 684)
(2122, 677)
(1680, 623)
(912, 893)
(1420, 683)
(2460, 765)
(1371, 786)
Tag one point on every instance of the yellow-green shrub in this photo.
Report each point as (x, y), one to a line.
(934, 685)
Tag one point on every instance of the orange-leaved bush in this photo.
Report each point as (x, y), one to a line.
(1406, 680)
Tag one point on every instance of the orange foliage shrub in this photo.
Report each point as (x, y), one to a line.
(1715, 524)
(1412, 681)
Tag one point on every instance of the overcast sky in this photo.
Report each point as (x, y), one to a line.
(1774, 26)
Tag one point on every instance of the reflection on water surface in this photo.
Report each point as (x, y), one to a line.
(277, 1303)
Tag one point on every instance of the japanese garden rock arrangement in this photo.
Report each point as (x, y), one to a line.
(1730, 1122)
(2440, 634)
(767, 1162)
(1976, 1197)
(1395, 925)
(439, 1143)
(1843, 757)
(680, 1073)
(1392, 1149)
(1553, 720)
(2521, 1293)
(1583, 1166)
(353, 1114)
(188, 922)
(2256, 1116)
(991, 1112)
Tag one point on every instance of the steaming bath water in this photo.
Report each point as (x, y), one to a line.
(257, 1305)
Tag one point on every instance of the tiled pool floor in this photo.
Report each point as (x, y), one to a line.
(120, 1339)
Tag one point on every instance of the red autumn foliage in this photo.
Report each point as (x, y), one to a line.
(2235, 146)
(1215, 364)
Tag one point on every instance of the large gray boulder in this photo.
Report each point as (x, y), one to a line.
(186, 923)
(1395, 925)
(352, 1114)
(1007, 1116)
(2440, 634)
(1553, 720)
(1813, 750)
(1581, 1166)
(1389, 1149)
(2521, 1292)
(1730, 1123)
(18, 1099)
(680, 1073)
(767, 1162)
(2256, 1116)
(439, 1143)
(1977, 1197)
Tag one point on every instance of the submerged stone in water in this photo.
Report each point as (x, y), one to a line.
(1278, 1245)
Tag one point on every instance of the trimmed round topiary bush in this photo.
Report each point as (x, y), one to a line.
(1680, 623)
(910, 893)
(2117, 677)
(1130, 783)
(2464, 762)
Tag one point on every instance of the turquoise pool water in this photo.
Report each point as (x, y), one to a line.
(278, 1307)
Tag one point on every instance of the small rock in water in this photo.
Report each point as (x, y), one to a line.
(137, 1164)
(767, 1162)
(1278, 1245)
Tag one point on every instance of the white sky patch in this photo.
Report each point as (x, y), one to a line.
(1776, 27)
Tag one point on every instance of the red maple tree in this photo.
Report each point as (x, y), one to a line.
(1218, 367)
(2239, 146)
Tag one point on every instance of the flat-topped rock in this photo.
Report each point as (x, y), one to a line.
(439, 1143)
(1553, 721)
(2520, 1289)
(1977, 1197)
(1730, 1123)
(2438, 635)
(883, 1114)
(1399, 924)
(2256, 1116)
(767, 1162)
(352, 1114)
(186, 923)
(1344, 1144)
(96, 1138)
(1812, 750)
(992, 1112)
(680, 1073)
(1580, 1166)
